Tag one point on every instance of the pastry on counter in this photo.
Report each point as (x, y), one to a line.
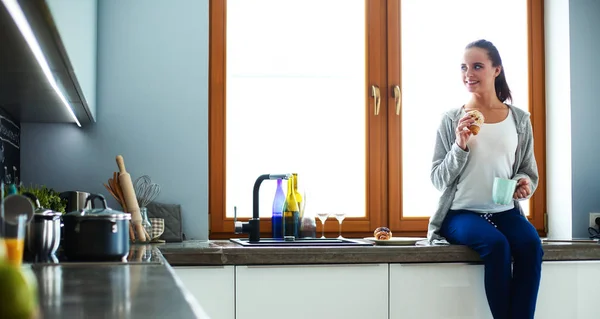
(382, 233)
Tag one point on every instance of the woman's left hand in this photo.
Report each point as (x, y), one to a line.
(522, 190)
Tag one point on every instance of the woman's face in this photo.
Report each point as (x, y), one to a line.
(478, 74)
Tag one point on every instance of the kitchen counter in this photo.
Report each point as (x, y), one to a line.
(224, 252)
(371, 282)
(144, 286)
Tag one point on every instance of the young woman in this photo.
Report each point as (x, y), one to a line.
(464, 167)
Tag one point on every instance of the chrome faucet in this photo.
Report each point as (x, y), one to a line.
(252, 227)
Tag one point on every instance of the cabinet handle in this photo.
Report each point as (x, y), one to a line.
(398, 97)
(288, 266)
(202, 267)
(449, 264)
(377, 96)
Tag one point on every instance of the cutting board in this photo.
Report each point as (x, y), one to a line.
(395, 241)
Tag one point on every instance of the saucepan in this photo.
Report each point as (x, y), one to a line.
(96, 234)
(42, 236)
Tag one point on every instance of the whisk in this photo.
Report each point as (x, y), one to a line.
(145, 190)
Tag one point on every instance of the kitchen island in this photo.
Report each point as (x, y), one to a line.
(236, 282)
(220, 279)
(144, 286)
(224, 252)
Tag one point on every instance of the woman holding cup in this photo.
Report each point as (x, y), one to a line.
(483, 151)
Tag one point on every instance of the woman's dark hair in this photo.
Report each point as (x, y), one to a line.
(500, 84)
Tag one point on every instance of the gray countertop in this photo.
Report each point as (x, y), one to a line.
(142, 287)
(224, 252)
(145, 286)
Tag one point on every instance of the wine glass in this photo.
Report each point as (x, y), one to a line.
(340, 217)
(323, 218)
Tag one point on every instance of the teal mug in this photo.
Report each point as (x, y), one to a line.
(503, 190)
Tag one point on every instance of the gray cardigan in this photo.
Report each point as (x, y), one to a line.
(449, 160)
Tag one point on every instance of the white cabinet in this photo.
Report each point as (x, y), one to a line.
(441, 291)
(213, 287)
(312, 291)
(394, 291)
(66, 33)
(77, 24)
(569, 290)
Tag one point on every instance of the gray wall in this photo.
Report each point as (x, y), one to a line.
(152, 107)
(585, 111)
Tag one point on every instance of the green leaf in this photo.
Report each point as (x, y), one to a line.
(48, 197)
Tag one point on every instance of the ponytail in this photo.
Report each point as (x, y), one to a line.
(501, 86)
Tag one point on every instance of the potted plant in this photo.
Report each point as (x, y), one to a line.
(48, 197)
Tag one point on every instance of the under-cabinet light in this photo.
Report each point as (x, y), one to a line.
(17, 14)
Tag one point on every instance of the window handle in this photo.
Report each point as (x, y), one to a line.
(377, 96)
(398, 97)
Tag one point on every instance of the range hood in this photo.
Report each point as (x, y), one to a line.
(25, 90)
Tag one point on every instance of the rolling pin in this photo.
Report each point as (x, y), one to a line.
(130, 199)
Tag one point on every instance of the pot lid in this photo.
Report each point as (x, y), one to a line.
(41, 212)
(45, 213)
(98, 213)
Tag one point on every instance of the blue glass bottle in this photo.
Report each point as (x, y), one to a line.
(277, 216)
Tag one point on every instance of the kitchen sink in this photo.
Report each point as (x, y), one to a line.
(301, 242)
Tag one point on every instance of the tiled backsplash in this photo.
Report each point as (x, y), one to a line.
(10, 153)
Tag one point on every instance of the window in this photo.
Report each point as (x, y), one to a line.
(295, 89)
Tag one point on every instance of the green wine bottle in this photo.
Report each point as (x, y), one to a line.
(299, 200)
(291, 214)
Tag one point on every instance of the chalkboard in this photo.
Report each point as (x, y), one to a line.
(10, 152)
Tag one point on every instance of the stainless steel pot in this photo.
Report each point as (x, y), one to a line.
(42, 236)
(98, 234)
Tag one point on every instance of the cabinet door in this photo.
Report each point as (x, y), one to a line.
(213, 287)
(437, 291)
(569, 289)
(77, 26)
(312, 291)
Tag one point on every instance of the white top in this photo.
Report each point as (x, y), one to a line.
(491, 154)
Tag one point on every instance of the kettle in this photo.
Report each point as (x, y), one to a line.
(76, 200)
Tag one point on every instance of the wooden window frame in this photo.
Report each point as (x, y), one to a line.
(383, 150)
(537, 101)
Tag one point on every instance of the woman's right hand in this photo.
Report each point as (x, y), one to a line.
(462, 131)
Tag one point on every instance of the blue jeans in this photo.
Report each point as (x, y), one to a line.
(496, 238)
